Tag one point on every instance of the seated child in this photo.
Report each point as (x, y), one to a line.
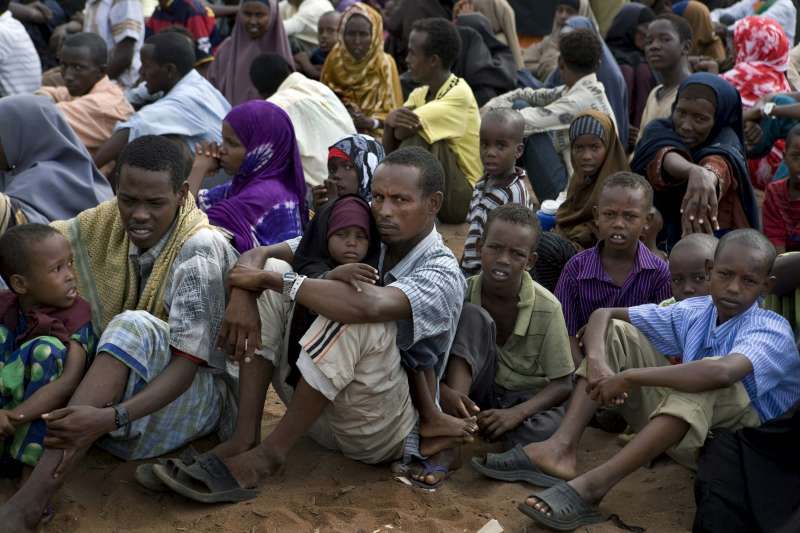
(46, 336)
(341, 242)
(509, 364)
(327, 32)
(687, 266)
(503, 182)
(781, 212)
(596, 153)
(650, 234)
(741, 369)
(619, 270)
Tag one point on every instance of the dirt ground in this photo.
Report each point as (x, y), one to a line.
(321, 491)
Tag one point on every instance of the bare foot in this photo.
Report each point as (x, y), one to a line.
(432, 445)
(553, 459)
(17, 519)
(589, 494)
(233, 447)
(444, 425)
(449, 459)
(250, 467)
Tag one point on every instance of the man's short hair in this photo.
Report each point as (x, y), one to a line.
(442, 39)
(268, 71)
(156, 153)
(630, 180)
(515, 214)
(581, 50)
(98, 50)
(752, 239)
(679, 24)
(16, 245)
(173, 48)
(431, 173)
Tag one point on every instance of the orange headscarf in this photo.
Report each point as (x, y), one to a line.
(371, 84)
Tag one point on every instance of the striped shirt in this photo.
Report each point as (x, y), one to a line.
(190, 14)
(584, 285)
(115, 21)
(485, 198)
(20, 68)
(765, 338)
(431, 280)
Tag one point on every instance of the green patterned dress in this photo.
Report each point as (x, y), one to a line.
(23, 371)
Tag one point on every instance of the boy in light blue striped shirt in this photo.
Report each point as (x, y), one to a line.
(741, 368)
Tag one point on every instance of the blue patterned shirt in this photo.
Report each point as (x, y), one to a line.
(765, 338)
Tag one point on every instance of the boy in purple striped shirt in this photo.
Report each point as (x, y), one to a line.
(619, 271)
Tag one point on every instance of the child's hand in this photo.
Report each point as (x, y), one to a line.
(495, 423)
(457, 403)
(6, 426)
(611, 391)
(354, 273)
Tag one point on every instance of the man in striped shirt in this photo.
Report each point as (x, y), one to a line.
(501, 137)
(619, 271)
(741, 368)
(20, 69)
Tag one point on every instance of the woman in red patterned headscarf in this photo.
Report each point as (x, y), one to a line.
(762, 58)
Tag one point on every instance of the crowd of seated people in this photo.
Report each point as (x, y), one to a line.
(200, 201)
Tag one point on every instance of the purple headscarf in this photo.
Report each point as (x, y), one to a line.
(271, 173)
(230, 71)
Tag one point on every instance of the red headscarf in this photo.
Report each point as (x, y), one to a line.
(762, 57)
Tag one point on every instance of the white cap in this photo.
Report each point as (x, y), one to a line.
(549, 207)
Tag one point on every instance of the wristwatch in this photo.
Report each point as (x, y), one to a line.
(288, 281)
(768, 108)
(121, 418)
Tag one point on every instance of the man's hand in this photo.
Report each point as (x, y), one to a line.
(699, 206)
(611, 391)
(240, 334)
(246, 278)
(403, 117)
(75, 428)
(457, 403)
(6, 425)
(354, 273)
(494, 423)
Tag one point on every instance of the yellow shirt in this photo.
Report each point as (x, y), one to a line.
(451, 116)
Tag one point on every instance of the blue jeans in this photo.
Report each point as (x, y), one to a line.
(545, 168)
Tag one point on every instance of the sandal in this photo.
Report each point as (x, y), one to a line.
(513, 465)
(429, 468)
(568, 511)
(146, 477)
(207, 480)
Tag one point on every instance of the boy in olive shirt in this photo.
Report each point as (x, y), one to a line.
(510, 365)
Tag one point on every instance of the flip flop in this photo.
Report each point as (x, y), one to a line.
(428, 469)
(513, 465)
(568, 511)
(208, 480)
(146, 477)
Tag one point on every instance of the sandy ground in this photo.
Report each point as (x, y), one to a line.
(323, 491)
